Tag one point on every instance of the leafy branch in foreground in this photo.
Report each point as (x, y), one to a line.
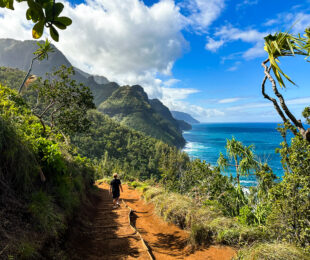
(284, 45)
(62, 102)
(44, 13)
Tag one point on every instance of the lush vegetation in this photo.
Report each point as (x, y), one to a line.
(131, 107)
(42, 174)
(42, 182)
(42, 13)
(116, 147)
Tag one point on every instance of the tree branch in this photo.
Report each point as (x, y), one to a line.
(274, 101)
(28, 73)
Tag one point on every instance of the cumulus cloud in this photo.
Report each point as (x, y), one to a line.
(125, 40)
(14, 24)
(203, 13)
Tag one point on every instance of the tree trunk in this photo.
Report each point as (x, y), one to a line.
(28, 74)
(297, 123)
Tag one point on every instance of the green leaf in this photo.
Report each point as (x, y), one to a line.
(9, 4)
(59, 25)
(2, 3)
(64, 20)
(36, 8)
(54, 34)
(52, 12)
(38, 29)
(28, 14)
(58, 9)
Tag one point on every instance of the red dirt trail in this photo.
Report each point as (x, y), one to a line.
(112, 237)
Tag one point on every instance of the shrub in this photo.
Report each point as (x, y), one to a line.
(200, 234)
(246, 216)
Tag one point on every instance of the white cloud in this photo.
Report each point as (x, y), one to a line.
(229, 100)
(256, 51)
(204, 13)
(235, 66)
(174, 99)
(299, 101)
(213, 45)
(170, 82)
(292, 102)
(228, 33)
(14, 23)
(246, 3)
(296, 21)
(177, 93)
(125, 40)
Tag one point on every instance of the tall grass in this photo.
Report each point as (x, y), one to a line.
(272, 251)
(206, 223)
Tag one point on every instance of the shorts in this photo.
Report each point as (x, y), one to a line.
(115, 194)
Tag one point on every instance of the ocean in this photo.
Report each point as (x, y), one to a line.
(206, 141)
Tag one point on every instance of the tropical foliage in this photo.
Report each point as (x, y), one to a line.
(277, 46)
(39, 178)
(43, 13)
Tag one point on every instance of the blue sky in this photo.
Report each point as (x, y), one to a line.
(197, 56)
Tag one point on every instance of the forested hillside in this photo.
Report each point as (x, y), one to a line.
(155, 121)
(18, 54)
(42, 183)
(131, 107)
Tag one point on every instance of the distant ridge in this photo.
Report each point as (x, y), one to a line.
(18, 54)
(185, 117)
(128, 105)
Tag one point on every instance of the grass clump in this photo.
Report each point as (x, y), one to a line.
(272, 251)
(141, 186)
(42, 210)
(152, 192)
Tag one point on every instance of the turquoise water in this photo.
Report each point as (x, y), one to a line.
(206, 141)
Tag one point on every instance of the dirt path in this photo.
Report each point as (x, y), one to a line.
(166, 240)
(109, 235)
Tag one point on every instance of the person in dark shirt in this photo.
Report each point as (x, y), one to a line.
(115, 187)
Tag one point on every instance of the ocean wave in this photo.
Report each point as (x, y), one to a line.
(194, 146)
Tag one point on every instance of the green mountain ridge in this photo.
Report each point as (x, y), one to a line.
(135, 111)
(131, 107)
(160, 108)
(18, 54)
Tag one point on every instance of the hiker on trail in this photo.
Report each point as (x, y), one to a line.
(115, 187)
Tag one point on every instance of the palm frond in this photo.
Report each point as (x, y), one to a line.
(284, 44)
